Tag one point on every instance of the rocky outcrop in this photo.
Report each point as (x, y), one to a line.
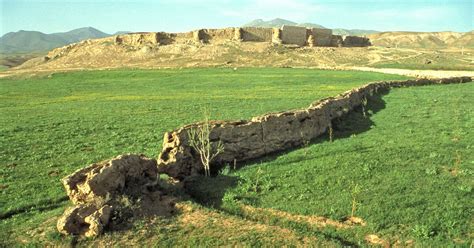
(98, 192)
(270, 133)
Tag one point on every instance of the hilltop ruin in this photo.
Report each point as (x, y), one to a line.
(288, 35)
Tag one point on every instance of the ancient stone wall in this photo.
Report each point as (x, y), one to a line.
(186, 35)
(137, 39)
(276, 36)
(336, 41)
(322, 36)
(214, 35)
(293, 35)
(356, 41)
(270, 133)
(256, 34)
(199, 35)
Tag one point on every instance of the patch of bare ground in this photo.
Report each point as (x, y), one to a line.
(416, 73)
(232, 227)
(265, 215)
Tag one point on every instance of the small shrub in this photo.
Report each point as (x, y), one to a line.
(225, 171)
(422, 231)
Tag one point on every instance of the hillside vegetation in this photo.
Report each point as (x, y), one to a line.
(53, 125)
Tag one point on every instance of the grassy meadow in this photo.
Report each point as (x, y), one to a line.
(408, 165)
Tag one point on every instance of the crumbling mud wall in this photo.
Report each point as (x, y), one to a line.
(276, 36)
(199, 36)
(356, 41)
(213, 35)
(336, 41)
(256, 34)
(103, 191)
(293, 35)
(322, 36)
(219, 34)
(152, 38)
(270, 133)
(137, 39)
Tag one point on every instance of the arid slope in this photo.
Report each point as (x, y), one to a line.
(107, 53)
(423, 39)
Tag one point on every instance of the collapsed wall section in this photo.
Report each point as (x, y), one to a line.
(270, 133)
(99, 189)
(356, 41)
(336, 41)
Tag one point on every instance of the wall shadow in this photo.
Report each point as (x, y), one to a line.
(209, 191)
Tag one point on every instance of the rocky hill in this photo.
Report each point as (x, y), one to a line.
(423, 39)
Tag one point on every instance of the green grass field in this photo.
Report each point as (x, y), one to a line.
(413, 165)
(412, 159)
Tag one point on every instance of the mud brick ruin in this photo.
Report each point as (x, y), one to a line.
(288, 35)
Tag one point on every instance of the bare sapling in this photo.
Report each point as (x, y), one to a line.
(364, 105)
(199, 139)
(331, 133)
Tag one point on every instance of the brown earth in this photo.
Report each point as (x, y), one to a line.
(108, 53)
(105, 192)
(423, 39)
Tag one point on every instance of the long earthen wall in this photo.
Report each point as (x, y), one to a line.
(270, 133)
(256, 34)
(291, 35)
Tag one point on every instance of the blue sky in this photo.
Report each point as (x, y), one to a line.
(183, 15)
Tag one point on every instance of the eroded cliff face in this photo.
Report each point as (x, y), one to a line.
(270, 133)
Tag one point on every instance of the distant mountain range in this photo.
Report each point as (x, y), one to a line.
(34, 41)
(278, 22)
